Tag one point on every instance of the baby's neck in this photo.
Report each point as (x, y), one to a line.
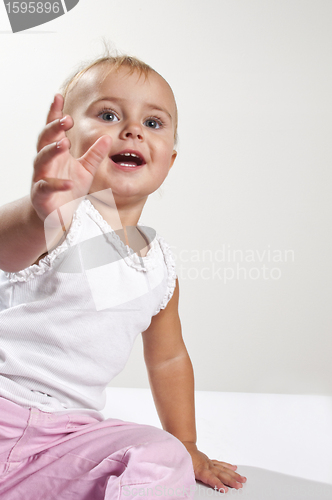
(124, 222)
(116, 216)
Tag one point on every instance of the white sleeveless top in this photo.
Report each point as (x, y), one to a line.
(68, 323)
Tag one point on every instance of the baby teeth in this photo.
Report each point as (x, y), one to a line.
(131, 154)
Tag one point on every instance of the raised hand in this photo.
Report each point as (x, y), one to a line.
(58, 177)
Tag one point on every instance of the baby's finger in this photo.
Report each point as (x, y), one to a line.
(207, 477)
(225, 464)
(231, 467)
(96, 154)
(45, 155)
(54, 131)
(49, 186)
(221, 466)
(227, 478)
(56, 108)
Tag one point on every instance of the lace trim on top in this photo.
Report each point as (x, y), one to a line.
(171, 273)
(149, 262)
(46, 262)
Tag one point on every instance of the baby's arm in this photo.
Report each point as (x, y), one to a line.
(172, 384)
(58, 179)
(22, 238)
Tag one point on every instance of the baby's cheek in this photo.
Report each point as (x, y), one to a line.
(167, 157)
(82, 138)
(81, 144)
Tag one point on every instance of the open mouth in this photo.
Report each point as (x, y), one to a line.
(128, 159)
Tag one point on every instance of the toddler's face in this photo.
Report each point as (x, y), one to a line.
(139, 114)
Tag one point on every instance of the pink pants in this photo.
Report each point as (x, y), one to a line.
(45, 456)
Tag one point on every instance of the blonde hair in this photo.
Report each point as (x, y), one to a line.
(116, 62)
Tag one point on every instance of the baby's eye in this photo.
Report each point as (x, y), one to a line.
(153, 123)
(108, 116)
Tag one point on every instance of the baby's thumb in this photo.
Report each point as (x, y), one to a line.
(96, 154)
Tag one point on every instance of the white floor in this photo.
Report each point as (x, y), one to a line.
(281, 443)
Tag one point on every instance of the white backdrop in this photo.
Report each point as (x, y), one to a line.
(247, 204)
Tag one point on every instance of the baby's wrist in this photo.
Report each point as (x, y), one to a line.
(189, 444)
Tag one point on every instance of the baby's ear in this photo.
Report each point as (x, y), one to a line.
(174, 155)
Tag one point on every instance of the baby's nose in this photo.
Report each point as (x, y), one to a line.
(133, 130)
